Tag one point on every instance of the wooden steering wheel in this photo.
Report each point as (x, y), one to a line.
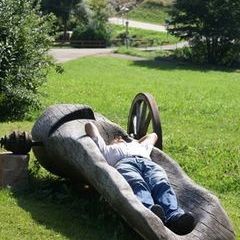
(143, 111)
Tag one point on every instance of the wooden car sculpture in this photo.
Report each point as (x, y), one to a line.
(61, 146)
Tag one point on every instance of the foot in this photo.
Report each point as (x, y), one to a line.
(157, 210)
(181, 224)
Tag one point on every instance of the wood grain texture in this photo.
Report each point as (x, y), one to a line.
(68, 152)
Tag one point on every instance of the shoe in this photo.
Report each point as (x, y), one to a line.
(181, 224)
(157, 210)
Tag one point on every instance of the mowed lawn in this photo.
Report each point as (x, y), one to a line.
(152, 11)
(199, 110)
(147, 37)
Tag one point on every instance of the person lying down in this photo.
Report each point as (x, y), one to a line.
(147, 179)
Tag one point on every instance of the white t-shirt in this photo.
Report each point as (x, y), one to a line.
(117, 151)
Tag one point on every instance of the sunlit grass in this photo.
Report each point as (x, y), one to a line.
(151, 11)
(148, 54)
(147, 37)
(199, 108)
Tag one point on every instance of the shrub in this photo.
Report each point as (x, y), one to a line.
(94, 26)
(24, 42)
(90, 32)
(62, 9)
(211, 26)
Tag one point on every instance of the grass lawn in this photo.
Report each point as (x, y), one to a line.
(153, 37)
(152, 11)
(149, 54)
(199, 109)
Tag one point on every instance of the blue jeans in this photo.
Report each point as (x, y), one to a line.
(150, 184)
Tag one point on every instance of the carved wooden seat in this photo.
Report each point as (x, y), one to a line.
(68, 152)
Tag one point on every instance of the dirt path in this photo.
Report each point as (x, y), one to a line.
(137, 24)
(66, 54)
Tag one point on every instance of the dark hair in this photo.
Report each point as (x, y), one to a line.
(126, 138)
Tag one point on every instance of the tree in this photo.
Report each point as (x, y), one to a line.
(211, 26)
(61, 9)
(91, 11)
(24, 43)
(92, 16)
(100, 12)
(82, 13)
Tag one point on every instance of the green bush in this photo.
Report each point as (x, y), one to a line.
(24, 42)
(93, 24)
(212, 27)
(90, 33)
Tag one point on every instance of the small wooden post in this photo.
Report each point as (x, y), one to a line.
(13, 170)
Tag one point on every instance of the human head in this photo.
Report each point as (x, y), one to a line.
(117, 139)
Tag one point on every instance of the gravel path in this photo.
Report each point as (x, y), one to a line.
(66, 54)
(137, 24)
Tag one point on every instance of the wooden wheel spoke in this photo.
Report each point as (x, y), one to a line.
(142, 117)
(138, 117)
(144, 128)
(135, 125)
(143, 111)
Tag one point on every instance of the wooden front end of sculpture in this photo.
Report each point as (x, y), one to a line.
(68, 152)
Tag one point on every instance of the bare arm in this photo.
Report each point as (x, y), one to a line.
(149, 139)
(93, 133)
(91, 130)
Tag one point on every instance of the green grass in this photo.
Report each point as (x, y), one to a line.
(51, 212)
(152, 11)
(151, 37)
(148, 54)
(199, 109)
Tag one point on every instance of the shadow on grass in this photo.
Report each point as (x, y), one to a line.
(75, 213)
(170, 63)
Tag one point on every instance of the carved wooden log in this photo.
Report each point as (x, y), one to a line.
(68, 152)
